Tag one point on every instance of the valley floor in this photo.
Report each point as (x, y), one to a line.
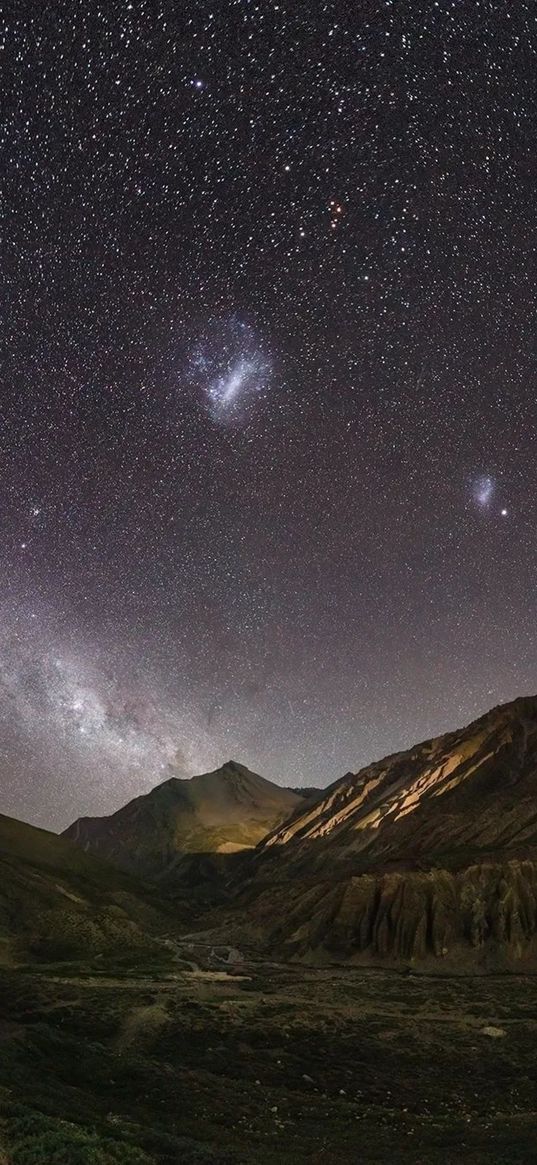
(124, 1065)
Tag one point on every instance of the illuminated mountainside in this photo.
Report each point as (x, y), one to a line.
(476, 788)
(180, 823)
(427, 851)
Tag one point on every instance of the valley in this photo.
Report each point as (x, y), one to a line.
(270, 1063)
(227, 972)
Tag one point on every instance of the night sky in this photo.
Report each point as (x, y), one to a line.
(268, 406)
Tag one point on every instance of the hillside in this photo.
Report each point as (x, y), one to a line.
(57, 902)
(182, 826)
(430, 853)
(471, 790)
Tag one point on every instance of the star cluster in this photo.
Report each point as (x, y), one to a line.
(268, 405)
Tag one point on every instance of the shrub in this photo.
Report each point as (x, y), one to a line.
(35, 1139)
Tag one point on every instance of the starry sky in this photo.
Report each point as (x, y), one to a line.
(268, 406)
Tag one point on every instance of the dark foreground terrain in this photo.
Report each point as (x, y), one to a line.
(146, 1065)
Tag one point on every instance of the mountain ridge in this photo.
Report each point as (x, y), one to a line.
(491, 752)
(428, 855)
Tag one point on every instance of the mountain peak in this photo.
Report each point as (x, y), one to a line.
(227, 810)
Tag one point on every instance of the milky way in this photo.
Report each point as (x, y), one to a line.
(74, 718)
(268, 316)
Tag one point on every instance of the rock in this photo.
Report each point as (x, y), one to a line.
(308, 1079)
(234, 956)
(495, 1033)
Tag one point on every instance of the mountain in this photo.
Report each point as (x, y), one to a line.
(428, 854)
(181, 826)
(56, 902)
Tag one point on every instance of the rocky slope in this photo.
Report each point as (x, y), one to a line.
(428, 854)
(57, 902)
(181, 827)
